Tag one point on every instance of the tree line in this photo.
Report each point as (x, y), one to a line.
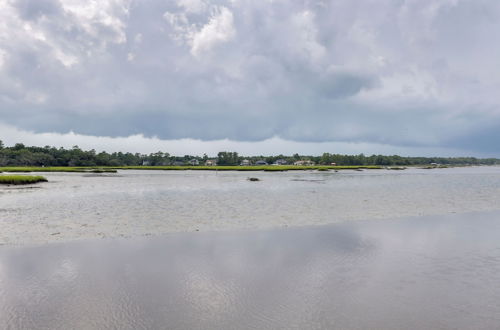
(21, 155)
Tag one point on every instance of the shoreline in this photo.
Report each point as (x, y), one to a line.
(255, 168)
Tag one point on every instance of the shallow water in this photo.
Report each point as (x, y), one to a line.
(139, 203)
(426, 273)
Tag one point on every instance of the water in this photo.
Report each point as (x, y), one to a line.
(428, 273)
(141, 203)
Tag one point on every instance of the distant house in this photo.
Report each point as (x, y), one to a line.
(305, 162)
(261, 163)
(280, 162)
(178, 163)
(246, 162)
(211, 162)
(194, 162)
(146, 163)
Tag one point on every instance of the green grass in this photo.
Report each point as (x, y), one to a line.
(435, 166)
(268, 168)
(26, 169)
(21, 179)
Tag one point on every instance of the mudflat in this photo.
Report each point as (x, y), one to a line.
(75, 206)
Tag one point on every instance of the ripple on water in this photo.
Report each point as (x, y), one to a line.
(413, 274)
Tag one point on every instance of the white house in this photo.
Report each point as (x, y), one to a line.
(211, 162)
(305, 162)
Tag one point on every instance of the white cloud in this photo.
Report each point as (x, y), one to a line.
(138, 38)
(306, 43)
(201, 38)
(194, 6)
(3, 57)
(94, 15)
(219, 29)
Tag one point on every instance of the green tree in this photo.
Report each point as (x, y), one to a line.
(18, 146)
(227, 158)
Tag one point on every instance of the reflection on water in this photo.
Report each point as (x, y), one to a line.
(137, 203)
(427, 273)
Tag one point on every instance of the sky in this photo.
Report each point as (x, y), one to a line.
(408, 77)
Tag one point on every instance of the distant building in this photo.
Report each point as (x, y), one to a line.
(178, 163)
(280, 162)
(194, 162)
(246, 162)
(146, 163)
(211, 162)
(261, 163)
(305, 162)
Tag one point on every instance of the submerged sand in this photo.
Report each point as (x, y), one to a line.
(74, 206)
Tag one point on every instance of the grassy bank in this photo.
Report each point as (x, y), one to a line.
(21, 179)
(27, 169)
(269, 168)
(247, 168)
(184, 168)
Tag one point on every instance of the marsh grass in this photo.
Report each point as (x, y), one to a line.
(58, 169)
(267, 168)
(103, 170)
(21, 179)
(436, 166)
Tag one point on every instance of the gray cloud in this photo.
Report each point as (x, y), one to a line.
(402, 73)
(33, 10)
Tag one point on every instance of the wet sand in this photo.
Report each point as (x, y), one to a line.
(437, 272)
(76, 206)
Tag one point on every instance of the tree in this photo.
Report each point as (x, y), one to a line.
(227, 158)
(1, 144)
(18, 146)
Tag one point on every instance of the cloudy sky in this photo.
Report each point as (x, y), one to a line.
(413, 77)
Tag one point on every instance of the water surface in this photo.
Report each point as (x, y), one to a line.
(139, 203)
(426, 273)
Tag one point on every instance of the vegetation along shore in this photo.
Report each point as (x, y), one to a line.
(21, 179)
(47, 159)
(267, 168)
